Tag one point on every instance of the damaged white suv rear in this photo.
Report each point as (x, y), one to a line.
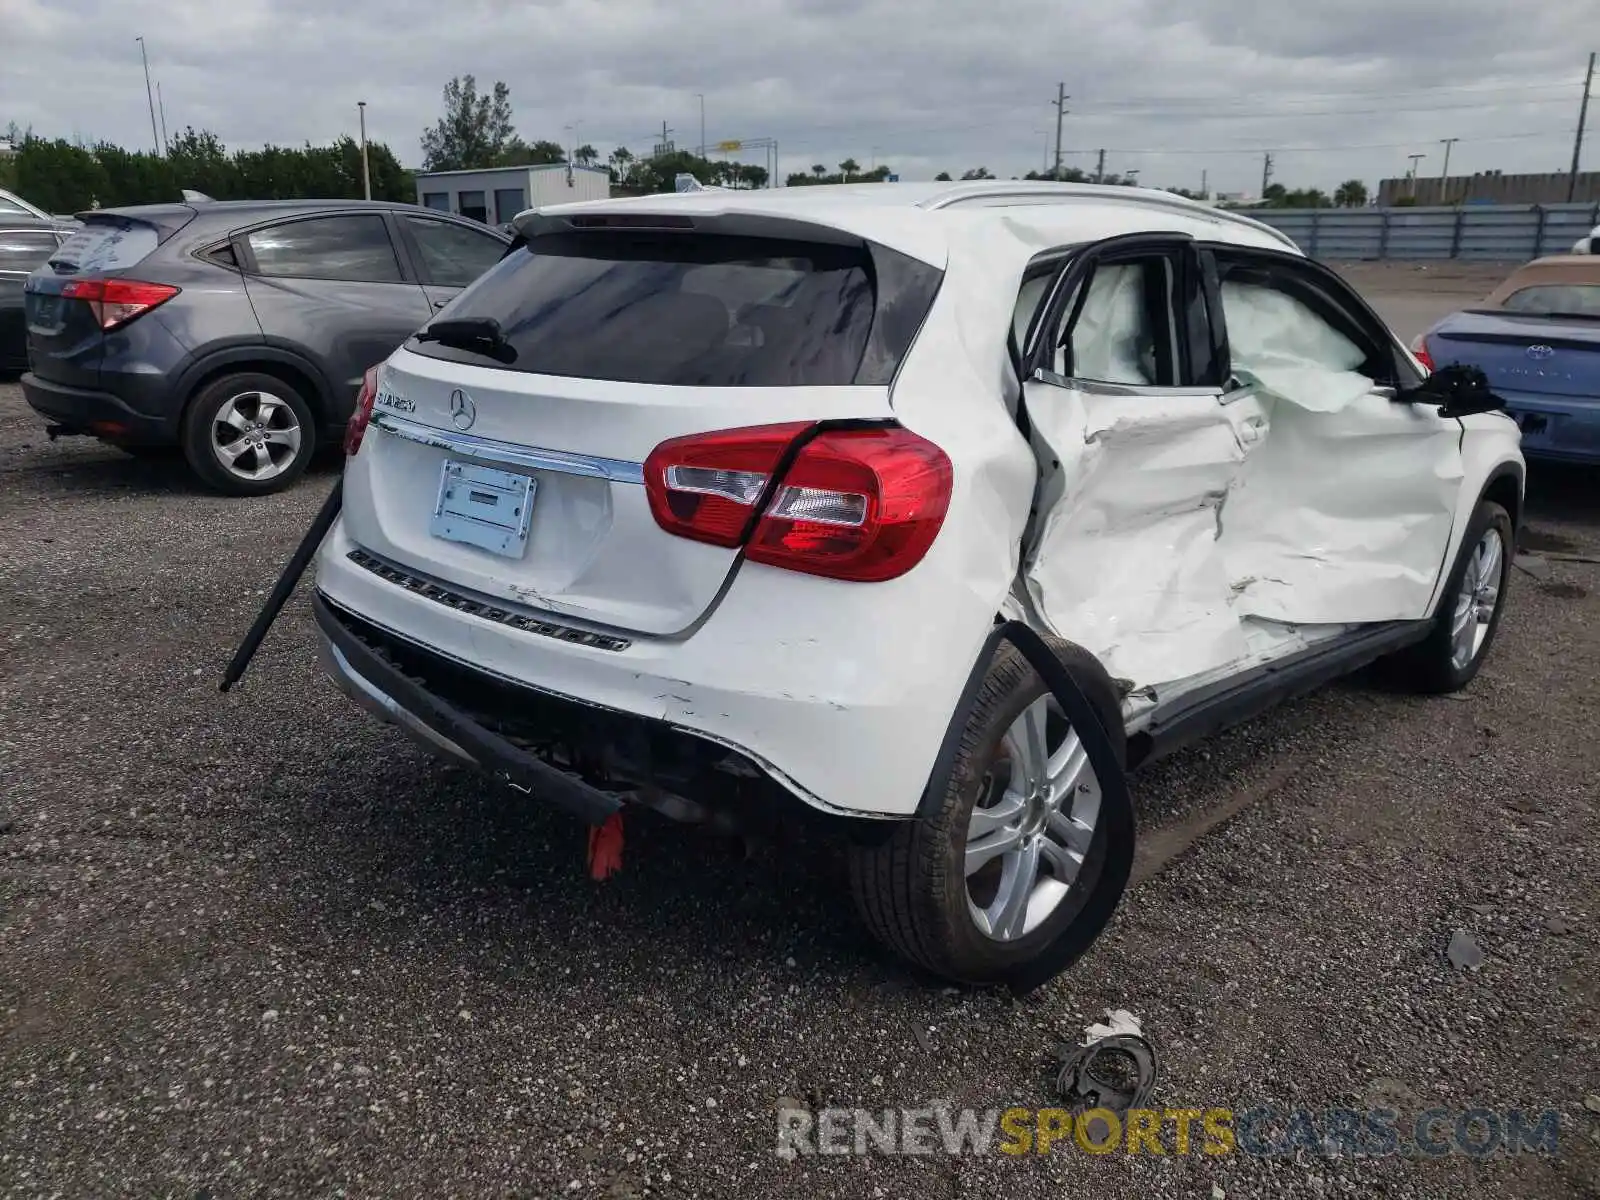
(925, 510)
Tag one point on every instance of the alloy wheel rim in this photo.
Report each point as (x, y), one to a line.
(1477, 600)
(255, 436)
(1032, 827)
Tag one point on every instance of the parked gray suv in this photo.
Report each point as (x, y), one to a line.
(236, 330)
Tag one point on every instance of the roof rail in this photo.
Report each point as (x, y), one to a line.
(1044, 191)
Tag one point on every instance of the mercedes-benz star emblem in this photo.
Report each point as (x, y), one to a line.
(463, 412)
(1539, 352)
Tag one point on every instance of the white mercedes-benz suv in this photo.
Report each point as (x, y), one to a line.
(926, 510)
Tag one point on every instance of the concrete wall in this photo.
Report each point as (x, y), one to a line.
(1492, 189)
(1487, 232)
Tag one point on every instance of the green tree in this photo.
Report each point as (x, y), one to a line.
(848, 168)
(977, 173)
(586, 155)
(519, 153)
(621, 164)
(1352, 193)
(819, 170)
(942, 177)
(475, 131)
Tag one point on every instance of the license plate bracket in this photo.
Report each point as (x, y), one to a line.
(483, 507)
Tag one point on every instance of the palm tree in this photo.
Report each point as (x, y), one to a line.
(818, 170)
(1352, 193)
(848, 168)
(586, 155)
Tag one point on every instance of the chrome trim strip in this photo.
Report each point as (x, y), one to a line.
(460, 602)
(560, 461)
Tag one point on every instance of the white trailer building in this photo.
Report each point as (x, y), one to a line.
(496, 195)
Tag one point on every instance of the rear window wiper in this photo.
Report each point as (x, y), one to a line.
(476, 335)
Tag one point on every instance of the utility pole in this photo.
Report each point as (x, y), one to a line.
(1100, 168)
(1444, 172)
(1411, 176)
(702, 98)
(1266, 172)
(161, 104)
(1577, 142)
(1061, 111)
(149, 95)
(366, 175)
(1205, 189)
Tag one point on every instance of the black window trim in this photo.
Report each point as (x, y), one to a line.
(419, 263)
(249, 266)
(1350, 314)
(1197, 364)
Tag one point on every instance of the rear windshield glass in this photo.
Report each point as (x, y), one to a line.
(681, 309)
(1575, 299)
(105, 247)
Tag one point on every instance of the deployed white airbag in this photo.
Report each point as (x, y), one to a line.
(1279, 343)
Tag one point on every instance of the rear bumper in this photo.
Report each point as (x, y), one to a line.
(383, 690)
(92, 411)
(1556, 428)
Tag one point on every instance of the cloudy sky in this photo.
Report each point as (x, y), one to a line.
(1335, 89)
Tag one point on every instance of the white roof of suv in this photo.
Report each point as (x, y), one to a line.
(929, 220)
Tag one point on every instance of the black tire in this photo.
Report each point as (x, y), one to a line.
(1429, 667)
(911, 887)
(202, 414)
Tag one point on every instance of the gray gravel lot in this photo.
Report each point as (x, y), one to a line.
(258, 945)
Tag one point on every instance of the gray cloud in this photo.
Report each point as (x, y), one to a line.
(1337, 89)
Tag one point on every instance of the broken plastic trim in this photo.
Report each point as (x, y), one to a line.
(1114, 832)
(1084, 1088)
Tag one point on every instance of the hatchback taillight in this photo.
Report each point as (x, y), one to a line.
(855, 504)
(115, 302)
(1419, 351)
(356, 429)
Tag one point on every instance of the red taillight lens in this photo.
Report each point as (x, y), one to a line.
(857, 504)
(706, 487)
(1419, 350)
(357, 428)
(115, 302)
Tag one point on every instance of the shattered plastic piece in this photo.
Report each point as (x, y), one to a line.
(1464, 952)
(605, 848)
(1118, 1023)
(1115, 1068)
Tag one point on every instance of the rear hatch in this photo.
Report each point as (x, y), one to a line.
(1550, 356)
(65, 336)
(614, 341)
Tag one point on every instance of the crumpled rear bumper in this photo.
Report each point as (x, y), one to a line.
(365, 674)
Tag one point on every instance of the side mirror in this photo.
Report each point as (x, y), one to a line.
(1458, 389)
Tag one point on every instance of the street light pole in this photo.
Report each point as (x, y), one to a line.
(149, 95)
(702, 98)
(366, 175)
(1416, 159)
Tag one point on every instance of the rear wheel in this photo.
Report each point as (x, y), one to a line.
(1027, 849)
(1469, 612)
(249, 434)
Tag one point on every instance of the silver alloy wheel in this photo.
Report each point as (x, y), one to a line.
(1477, 600)
(1031, 829)
(255, 436)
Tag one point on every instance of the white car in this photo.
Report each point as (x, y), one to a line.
(926, 510)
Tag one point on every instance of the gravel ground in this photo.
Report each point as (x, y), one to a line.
(258, 945)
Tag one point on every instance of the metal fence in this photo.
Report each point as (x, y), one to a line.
(1485, 232)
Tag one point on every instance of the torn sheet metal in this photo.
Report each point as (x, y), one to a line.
(1182, 536)
(1125, 560)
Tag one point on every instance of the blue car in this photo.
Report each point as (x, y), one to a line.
(1537, 337)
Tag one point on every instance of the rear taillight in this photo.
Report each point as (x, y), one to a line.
(115, 302)
(855, 504)
(1419, 351)
(357, 428)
